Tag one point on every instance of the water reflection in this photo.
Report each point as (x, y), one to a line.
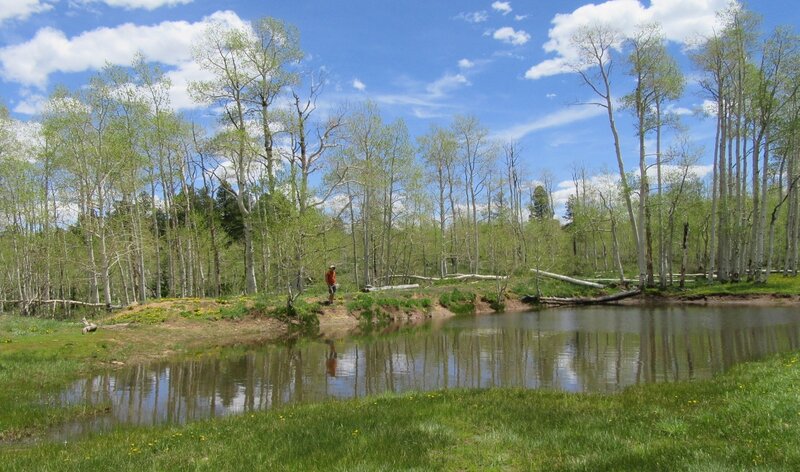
(578, 350)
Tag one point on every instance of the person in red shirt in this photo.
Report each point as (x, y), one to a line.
(330, 279)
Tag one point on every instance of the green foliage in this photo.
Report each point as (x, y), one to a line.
(374, 316)
(27, 326)
(300, 314)
(365, 301)
(776, 285)
(195, 314)
(379, 309)
(495, 302)
(550, 288)
(458, 302)
(361, 301)
(149, 315)
(229, 213)
(234, 311)
(540, 204)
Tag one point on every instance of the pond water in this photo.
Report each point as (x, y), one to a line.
(596, 349)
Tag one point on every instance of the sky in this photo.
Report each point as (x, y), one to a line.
(421, 60)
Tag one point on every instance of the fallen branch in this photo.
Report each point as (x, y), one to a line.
(564, 278)
(585, 300)
(370, 288)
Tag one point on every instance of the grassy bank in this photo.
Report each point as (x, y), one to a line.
(746, 419)
(777, 286)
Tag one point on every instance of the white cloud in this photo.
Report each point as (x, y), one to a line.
(426, 101)
(445, 84)
(520, 17)
(560, 118)
(359, 85)
(169, 42)
(21, 9)
(144, 4)
(465, 64)
(507, 34)
(673, 109)
(180, 77)
(502, 7)
(473, 17)
(549, 67)
(551, 96)
(30, 103)
(681, 21)
(709, 107)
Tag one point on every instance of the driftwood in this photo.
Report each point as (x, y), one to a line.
(583, 300)
(88, 327)
(370, 288)
(564, 278)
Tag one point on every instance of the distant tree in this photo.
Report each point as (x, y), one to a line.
(230, 215)
(540, 204)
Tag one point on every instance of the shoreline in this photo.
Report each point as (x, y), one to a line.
(722, 299)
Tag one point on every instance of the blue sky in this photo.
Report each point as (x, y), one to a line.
(424, 61)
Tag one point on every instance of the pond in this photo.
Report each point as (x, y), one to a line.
(595, 349)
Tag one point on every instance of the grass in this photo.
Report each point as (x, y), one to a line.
(549, 288)
(301, 315)
(458, 301)
(777, 285)
(382, 308)
(38, 357)
(746, 419)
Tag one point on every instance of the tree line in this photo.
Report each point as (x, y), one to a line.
(113, 197)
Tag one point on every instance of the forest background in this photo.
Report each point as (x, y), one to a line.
(114, 197)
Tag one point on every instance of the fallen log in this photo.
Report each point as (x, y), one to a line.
(62, 302)
(370, 288)
(88, 327)
(475, 276)
(564, 278)
(415, 277)
(611, 281)
(587, 300)
(447, 277)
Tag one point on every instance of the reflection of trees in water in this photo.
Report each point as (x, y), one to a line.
(658, 348)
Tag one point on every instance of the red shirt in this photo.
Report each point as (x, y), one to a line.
(330, 277)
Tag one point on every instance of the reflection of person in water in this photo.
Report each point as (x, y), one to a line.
(330, 362)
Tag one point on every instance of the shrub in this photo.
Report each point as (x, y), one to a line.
(233, 312)
(497, 303)
(458, 302)
(300, 314)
